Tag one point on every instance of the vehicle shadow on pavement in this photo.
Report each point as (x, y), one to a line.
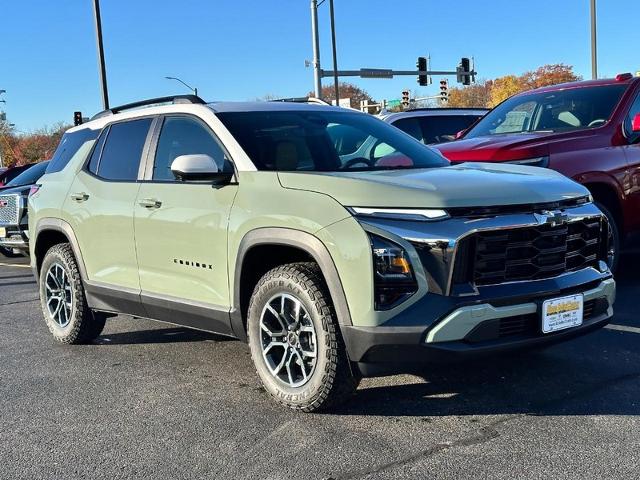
(160, 335)
(11, 277)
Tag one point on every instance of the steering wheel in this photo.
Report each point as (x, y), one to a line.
(598, 121)
(356, 161)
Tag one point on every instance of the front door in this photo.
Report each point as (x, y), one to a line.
(181, 232)
(632, 152)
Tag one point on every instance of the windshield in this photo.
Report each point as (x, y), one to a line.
(29, 176)
(556, 111)
(327, 141)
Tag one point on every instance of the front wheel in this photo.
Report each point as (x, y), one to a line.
(63, 301)
(295, 341)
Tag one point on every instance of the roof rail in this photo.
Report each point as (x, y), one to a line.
(175, 99)
(301, 100)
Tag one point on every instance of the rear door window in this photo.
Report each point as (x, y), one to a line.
(122, 150)
(410, 126)
(443, 128)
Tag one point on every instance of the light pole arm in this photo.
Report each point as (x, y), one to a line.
(195, 90)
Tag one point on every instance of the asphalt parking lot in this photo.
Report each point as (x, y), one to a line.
(149, 400)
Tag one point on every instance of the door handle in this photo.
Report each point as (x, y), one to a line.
(150, 203)
(80, 197)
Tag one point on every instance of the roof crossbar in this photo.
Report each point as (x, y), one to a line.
(175, 99)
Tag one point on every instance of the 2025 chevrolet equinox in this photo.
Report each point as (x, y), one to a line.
(263, 222)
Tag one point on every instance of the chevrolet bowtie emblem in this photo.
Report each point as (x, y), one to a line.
(552, 218)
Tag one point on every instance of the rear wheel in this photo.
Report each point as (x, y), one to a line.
(295, 340)
(614, 238)
(63, 300)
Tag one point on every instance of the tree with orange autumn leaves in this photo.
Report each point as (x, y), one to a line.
(489, 93)
(21, 149)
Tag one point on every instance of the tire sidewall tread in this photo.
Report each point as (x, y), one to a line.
(332, 381)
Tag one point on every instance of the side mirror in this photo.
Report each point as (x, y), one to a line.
(635, 123)
(198, 167)
(460, 134)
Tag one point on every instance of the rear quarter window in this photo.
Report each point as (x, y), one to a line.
(71, 144)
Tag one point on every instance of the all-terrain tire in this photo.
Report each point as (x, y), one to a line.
(332, 381)
(82, 325)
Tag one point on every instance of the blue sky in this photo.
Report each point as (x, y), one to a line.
(244, 49)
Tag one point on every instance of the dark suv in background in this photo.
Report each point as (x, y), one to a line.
(588, 130)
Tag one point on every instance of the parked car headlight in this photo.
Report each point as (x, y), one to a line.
(394, 280)
(533, 162)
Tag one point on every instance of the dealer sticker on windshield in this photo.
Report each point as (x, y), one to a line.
(561, 313)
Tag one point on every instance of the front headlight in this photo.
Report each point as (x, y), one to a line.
(532, 162)
(394, 280)
(419, 214)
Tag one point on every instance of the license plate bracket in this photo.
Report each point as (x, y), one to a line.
(562, 313)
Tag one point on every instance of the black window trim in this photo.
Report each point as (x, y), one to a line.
(629, 135)
(149, 160)
(107, 129)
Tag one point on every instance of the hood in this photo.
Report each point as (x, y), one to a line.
(495, 148)
(464, 185)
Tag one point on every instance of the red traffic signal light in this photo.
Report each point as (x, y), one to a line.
(405, 98)
(444, 90)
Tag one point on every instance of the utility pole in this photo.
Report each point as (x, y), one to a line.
(594, 46)
(335, 55)
(315, 38)
(101, 65)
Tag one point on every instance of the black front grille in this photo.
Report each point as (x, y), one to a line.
(532, 253)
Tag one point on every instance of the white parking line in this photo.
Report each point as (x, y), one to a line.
(622, 328)
(14, 265)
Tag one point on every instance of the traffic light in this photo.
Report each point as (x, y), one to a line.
(421, 64)
(463, 67)
(405, 98)
(77, 118)
(444, 91)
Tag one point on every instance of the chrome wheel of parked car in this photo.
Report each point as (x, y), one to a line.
(288, 340)
(59, 297)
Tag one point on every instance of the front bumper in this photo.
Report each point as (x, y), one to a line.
(15, 237)
(471, 330)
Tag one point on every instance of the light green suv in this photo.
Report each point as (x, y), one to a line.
(334, 257)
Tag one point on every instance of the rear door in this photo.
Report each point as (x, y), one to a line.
(181, 231)
(99, 208)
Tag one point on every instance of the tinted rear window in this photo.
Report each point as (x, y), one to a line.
(70, 145)
(120, 159)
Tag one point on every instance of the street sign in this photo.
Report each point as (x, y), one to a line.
(393, 103)
(344, 102)
(376, 73)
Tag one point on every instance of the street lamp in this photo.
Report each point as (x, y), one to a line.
(195, 90)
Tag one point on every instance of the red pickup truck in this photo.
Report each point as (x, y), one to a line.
(588, 130)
